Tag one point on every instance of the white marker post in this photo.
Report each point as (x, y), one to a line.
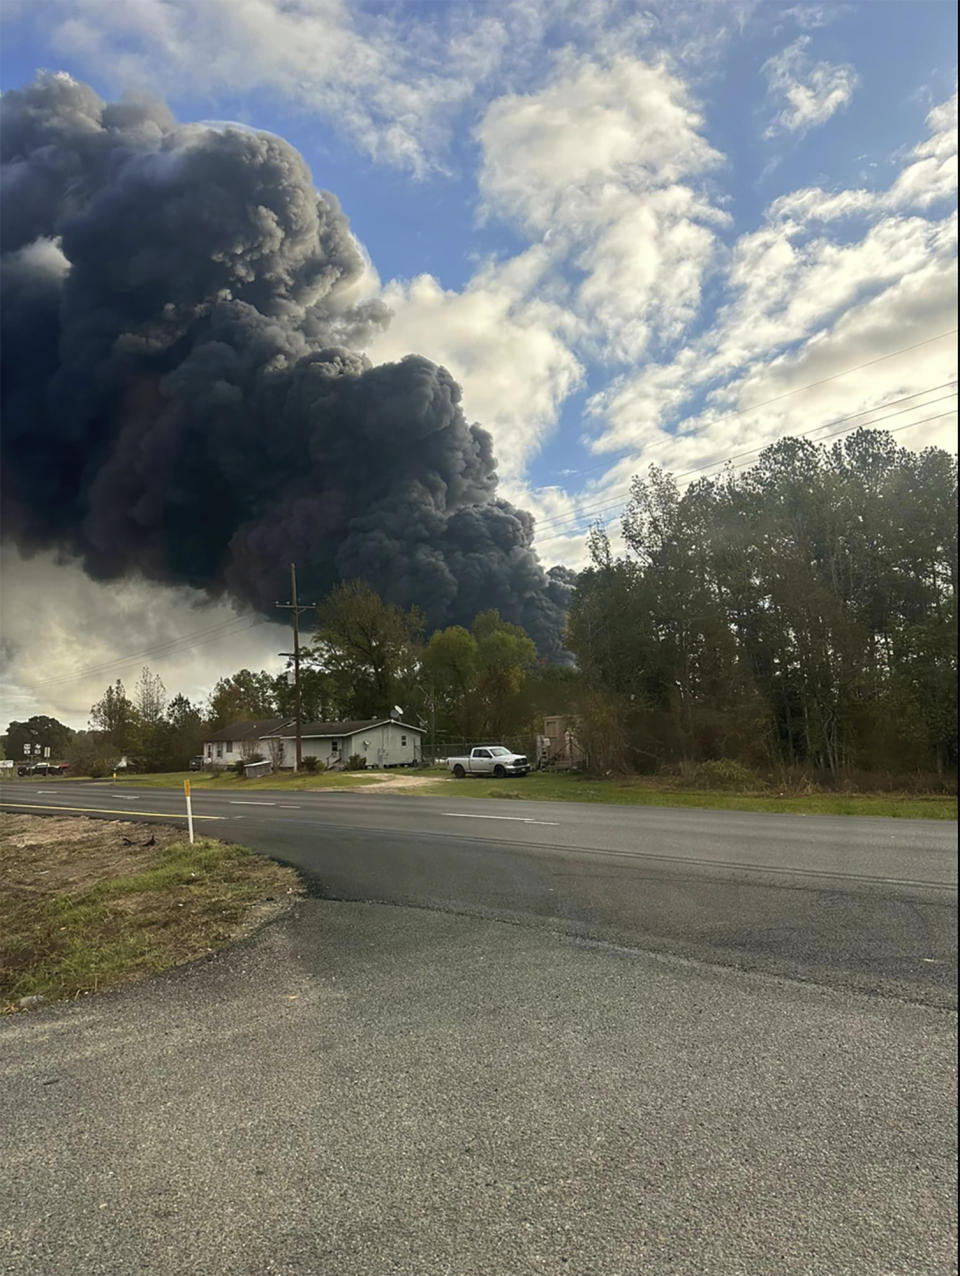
(186, 794)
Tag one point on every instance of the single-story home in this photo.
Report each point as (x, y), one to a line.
(239, 741)
(384, 742)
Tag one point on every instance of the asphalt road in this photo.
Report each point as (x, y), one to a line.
(852, 902)
(364, 1089)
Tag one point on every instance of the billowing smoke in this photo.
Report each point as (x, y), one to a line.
(183, 390)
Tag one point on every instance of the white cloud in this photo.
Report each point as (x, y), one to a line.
(591, 169)
(394, 79)
(392, 83)
(598, 164)
(57, 624)
(931, 175)
(802, 306)
(502, 340)
(810, 92)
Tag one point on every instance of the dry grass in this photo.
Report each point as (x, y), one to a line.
(90, 904)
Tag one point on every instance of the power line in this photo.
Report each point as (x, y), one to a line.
(896, 430)
(562, 520)
(824, 425)
(221, 630)
(811, 385)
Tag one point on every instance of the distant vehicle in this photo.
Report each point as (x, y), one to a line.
(491, 759)
(196, 764)
(43, 768)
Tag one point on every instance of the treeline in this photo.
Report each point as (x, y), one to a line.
(362, 657)
(802, 612)
(800, 615)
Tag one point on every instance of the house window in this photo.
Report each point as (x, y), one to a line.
(403, 742)
(219, 750)
(333, 747)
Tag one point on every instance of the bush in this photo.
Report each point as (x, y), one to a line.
(356, 762)
(725, 773)
(314, 764)
(237, 767)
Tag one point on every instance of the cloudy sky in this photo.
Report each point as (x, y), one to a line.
(633, 235)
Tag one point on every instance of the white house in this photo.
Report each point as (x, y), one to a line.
(238, 742)
(382, 741)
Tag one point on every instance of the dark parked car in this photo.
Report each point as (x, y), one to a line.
(42, 768)
(196, 764)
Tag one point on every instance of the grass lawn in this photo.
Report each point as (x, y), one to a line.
(90, 904)
(220, 780)
(228, 780)
(643, 791)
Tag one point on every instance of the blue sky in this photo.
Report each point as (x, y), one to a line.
(625, 231)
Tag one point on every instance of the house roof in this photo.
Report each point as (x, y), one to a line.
(247, 730)
(331, 729)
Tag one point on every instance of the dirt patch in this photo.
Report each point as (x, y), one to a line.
(395, 782)
(89, 904)
(70, 854)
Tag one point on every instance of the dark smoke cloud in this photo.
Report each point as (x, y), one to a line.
(182, 387)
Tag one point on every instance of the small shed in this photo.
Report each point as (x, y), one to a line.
(561, 749)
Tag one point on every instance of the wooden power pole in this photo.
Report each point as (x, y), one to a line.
(296, 609)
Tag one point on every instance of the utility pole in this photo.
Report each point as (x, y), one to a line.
(296, 609)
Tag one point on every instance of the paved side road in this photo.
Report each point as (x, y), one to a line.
(363, 1090)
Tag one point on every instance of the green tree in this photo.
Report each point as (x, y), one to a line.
(318, 695)
(177, 736)
(368, 650)
(506, 656)
(801, 611)
(243, 697)
(37, 730)
(114, 717)
(449, 669)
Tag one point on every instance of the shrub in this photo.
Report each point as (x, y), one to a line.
(237, 767)
(313, 764)
(725, 773)
(356, 762)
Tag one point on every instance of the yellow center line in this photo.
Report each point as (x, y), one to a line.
(101, 810)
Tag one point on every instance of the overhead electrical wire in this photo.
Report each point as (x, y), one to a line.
(824, 425)
(224, 629)
(571, 519)
(811, 385)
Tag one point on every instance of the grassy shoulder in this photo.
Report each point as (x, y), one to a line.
(643, 791)
(219, 780)
(88, 905)
(229, 780)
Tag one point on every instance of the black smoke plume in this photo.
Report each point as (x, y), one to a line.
(183, 392)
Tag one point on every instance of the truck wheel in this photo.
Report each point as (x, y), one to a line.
(459, 772)
(499, 772)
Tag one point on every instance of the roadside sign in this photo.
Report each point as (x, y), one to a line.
(26, 749)
(46, 750)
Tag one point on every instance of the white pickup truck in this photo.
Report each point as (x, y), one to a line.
(492, 759)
